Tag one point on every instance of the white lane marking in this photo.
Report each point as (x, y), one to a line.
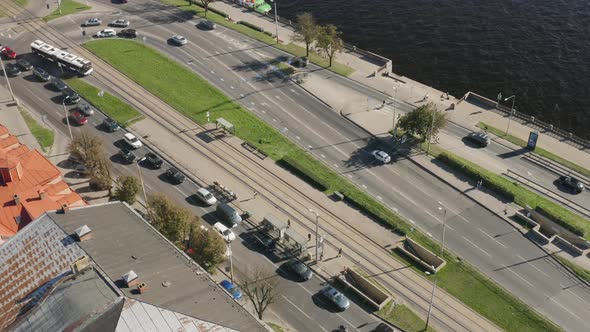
(274, 120)
(579, 298)
(263, 111)
(241, 95)
(263, 104)
(303, 312)
(182, 192)
(475, 245)
(252, 103)
(297, 137)
(491, 237)
(428, 233)
(323, 155)
(231, 87)
(222, 79)
(531, 264)
(564, 308)
(364, 186)
(310, 147)
(449, 227)
(412, 221)
(295, 92)
(278, 97)
(212, 72)
(350, 176)
(519, 276)
(379, 198)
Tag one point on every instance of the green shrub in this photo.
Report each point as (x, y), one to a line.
(252, 26)
(219, 12)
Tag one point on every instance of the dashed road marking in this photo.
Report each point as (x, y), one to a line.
(564, 308)
(380, 198)
(350, 176)
(263, 111)
(274, 120)
(475, 245)
(491, 237)
(212, 72)
(252, 103)
(412, 221)
(518, 275)
(278, 97)
(241, 95)
(532, 265)
(231, 87)
(222, 79)
(323, 155)
(297, 137)
(295, 92)
(310, 147)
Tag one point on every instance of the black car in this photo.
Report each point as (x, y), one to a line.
(127, 156)
(481, 138)
(24, 64)
(41, 74)
(175, 176)
(57, 83)
(153, 160)
(128, 33)
(70, 95)
(12, 69)
(302, 270)
(110, 125)
(574, 184)
(300, 62)
(206, 25)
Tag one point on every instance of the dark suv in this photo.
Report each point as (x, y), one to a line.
(127, 156)
(153, 160)
(128, 33)
(574, 184)
(70, 95)
(41, 74)
(175, 176)
(481, 138)
(110, 125)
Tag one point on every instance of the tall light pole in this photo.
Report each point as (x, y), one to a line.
(394, 122)
(7, 81)
(431, 128)
(276, 20)
(63, 102)
(317, 238)
(231, 263)
(511, 111)
(431, 301)
(141, 181)
(442, 208)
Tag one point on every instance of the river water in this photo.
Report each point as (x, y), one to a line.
(538, 50)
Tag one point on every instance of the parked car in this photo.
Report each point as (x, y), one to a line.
(92, 22)
(231, 289)
(153, 160)
(382, 156)
(127, 156)
(179, 40)
(57, 83)
(206, 25)
(128, 33)
(299, 62)
(79, 118)
(24, 64)
(334, 296)
(382, 327)
(481, 138)
(132, 141)
(12, 69)
(8, 53)
(228, 214)
(120, 23)
(174, 175)
(225, 232)
(70, 95)
(299, 268)
(85, 108)
(106, 33)
(41, 74)
(110, 125)
(206, 197)
(574, 184)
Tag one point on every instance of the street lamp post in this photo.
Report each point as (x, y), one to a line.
(7, 81)
(394, 124)
(511, 111)
(431, 302)
(317, 238)
(431, 128)
(441, 207)
(276, 20)
(141, 181)
(231, 263)
(63, 102)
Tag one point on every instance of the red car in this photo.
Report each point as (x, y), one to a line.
(8, 53)
(79, 118)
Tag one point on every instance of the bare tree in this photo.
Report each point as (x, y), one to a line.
(306, 31)
(329, 41)
(205, 4)
(261, 288)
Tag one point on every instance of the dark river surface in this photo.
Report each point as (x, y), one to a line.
(536, 49)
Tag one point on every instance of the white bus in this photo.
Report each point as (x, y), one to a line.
(61, 57)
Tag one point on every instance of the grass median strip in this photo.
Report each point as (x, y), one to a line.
(112, 106)
(538, 150)
(194, 97)
(296, 50)
(44, 136)
(67, 7)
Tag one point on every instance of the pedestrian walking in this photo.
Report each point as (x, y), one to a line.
(308, 237)
(385, 101)
(288, 223)
(255, 194)
(322, 256)
(340, 252)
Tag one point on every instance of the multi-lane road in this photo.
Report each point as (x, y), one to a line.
(232, 62)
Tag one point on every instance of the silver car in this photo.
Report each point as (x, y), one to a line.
(120, 23)
(335, 297)
(179, 40)
(85, 108)
(92, 22)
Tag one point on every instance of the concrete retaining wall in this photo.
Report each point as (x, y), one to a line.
(422, 256)
(372, 294)
(551, 229)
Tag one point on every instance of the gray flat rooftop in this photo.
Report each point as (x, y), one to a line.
(123, 241)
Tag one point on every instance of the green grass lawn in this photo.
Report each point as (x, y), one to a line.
(538, 150)
(44, 136)
(193, 96)
(115, 108)
(275, 327)
(580, 271)
(403, 317)
(67, 7)
(336, 67)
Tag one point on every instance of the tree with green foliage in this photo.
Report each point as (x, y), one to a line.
(420, 120)
(168, 218)
(127, 189)
(205, 246)
(205, 4)
(261, 287)
(89, 151)
(306, 31)
(329, 41)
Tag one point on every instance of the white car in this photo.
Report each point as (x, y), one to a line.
(382, 156)
(179, 40)
(206, 197)
(120, 23)
(132, 141)
(225, 232)
(106, 33)
(92, 22)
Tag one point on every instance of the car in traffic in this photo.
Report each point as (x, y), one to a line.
(120, 23)
(127, 156)
(480, 138)
(41, 74)
(225, 232)
(110, 125)
(179, 40)
(132, 141)
(92, 22)
(300, 269)
(174, 175)
(299, 62)
(382, 156)
(334, 296)
(57, 83)
(79, 118)
(24, 64)
(206, 197)
(128, 33)
(12, 69)
(231, 289)
(575, 185)
(105, 33)
(8, 53)
(153, 160)
(85, 108)
(206, 25)
(70, 95)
